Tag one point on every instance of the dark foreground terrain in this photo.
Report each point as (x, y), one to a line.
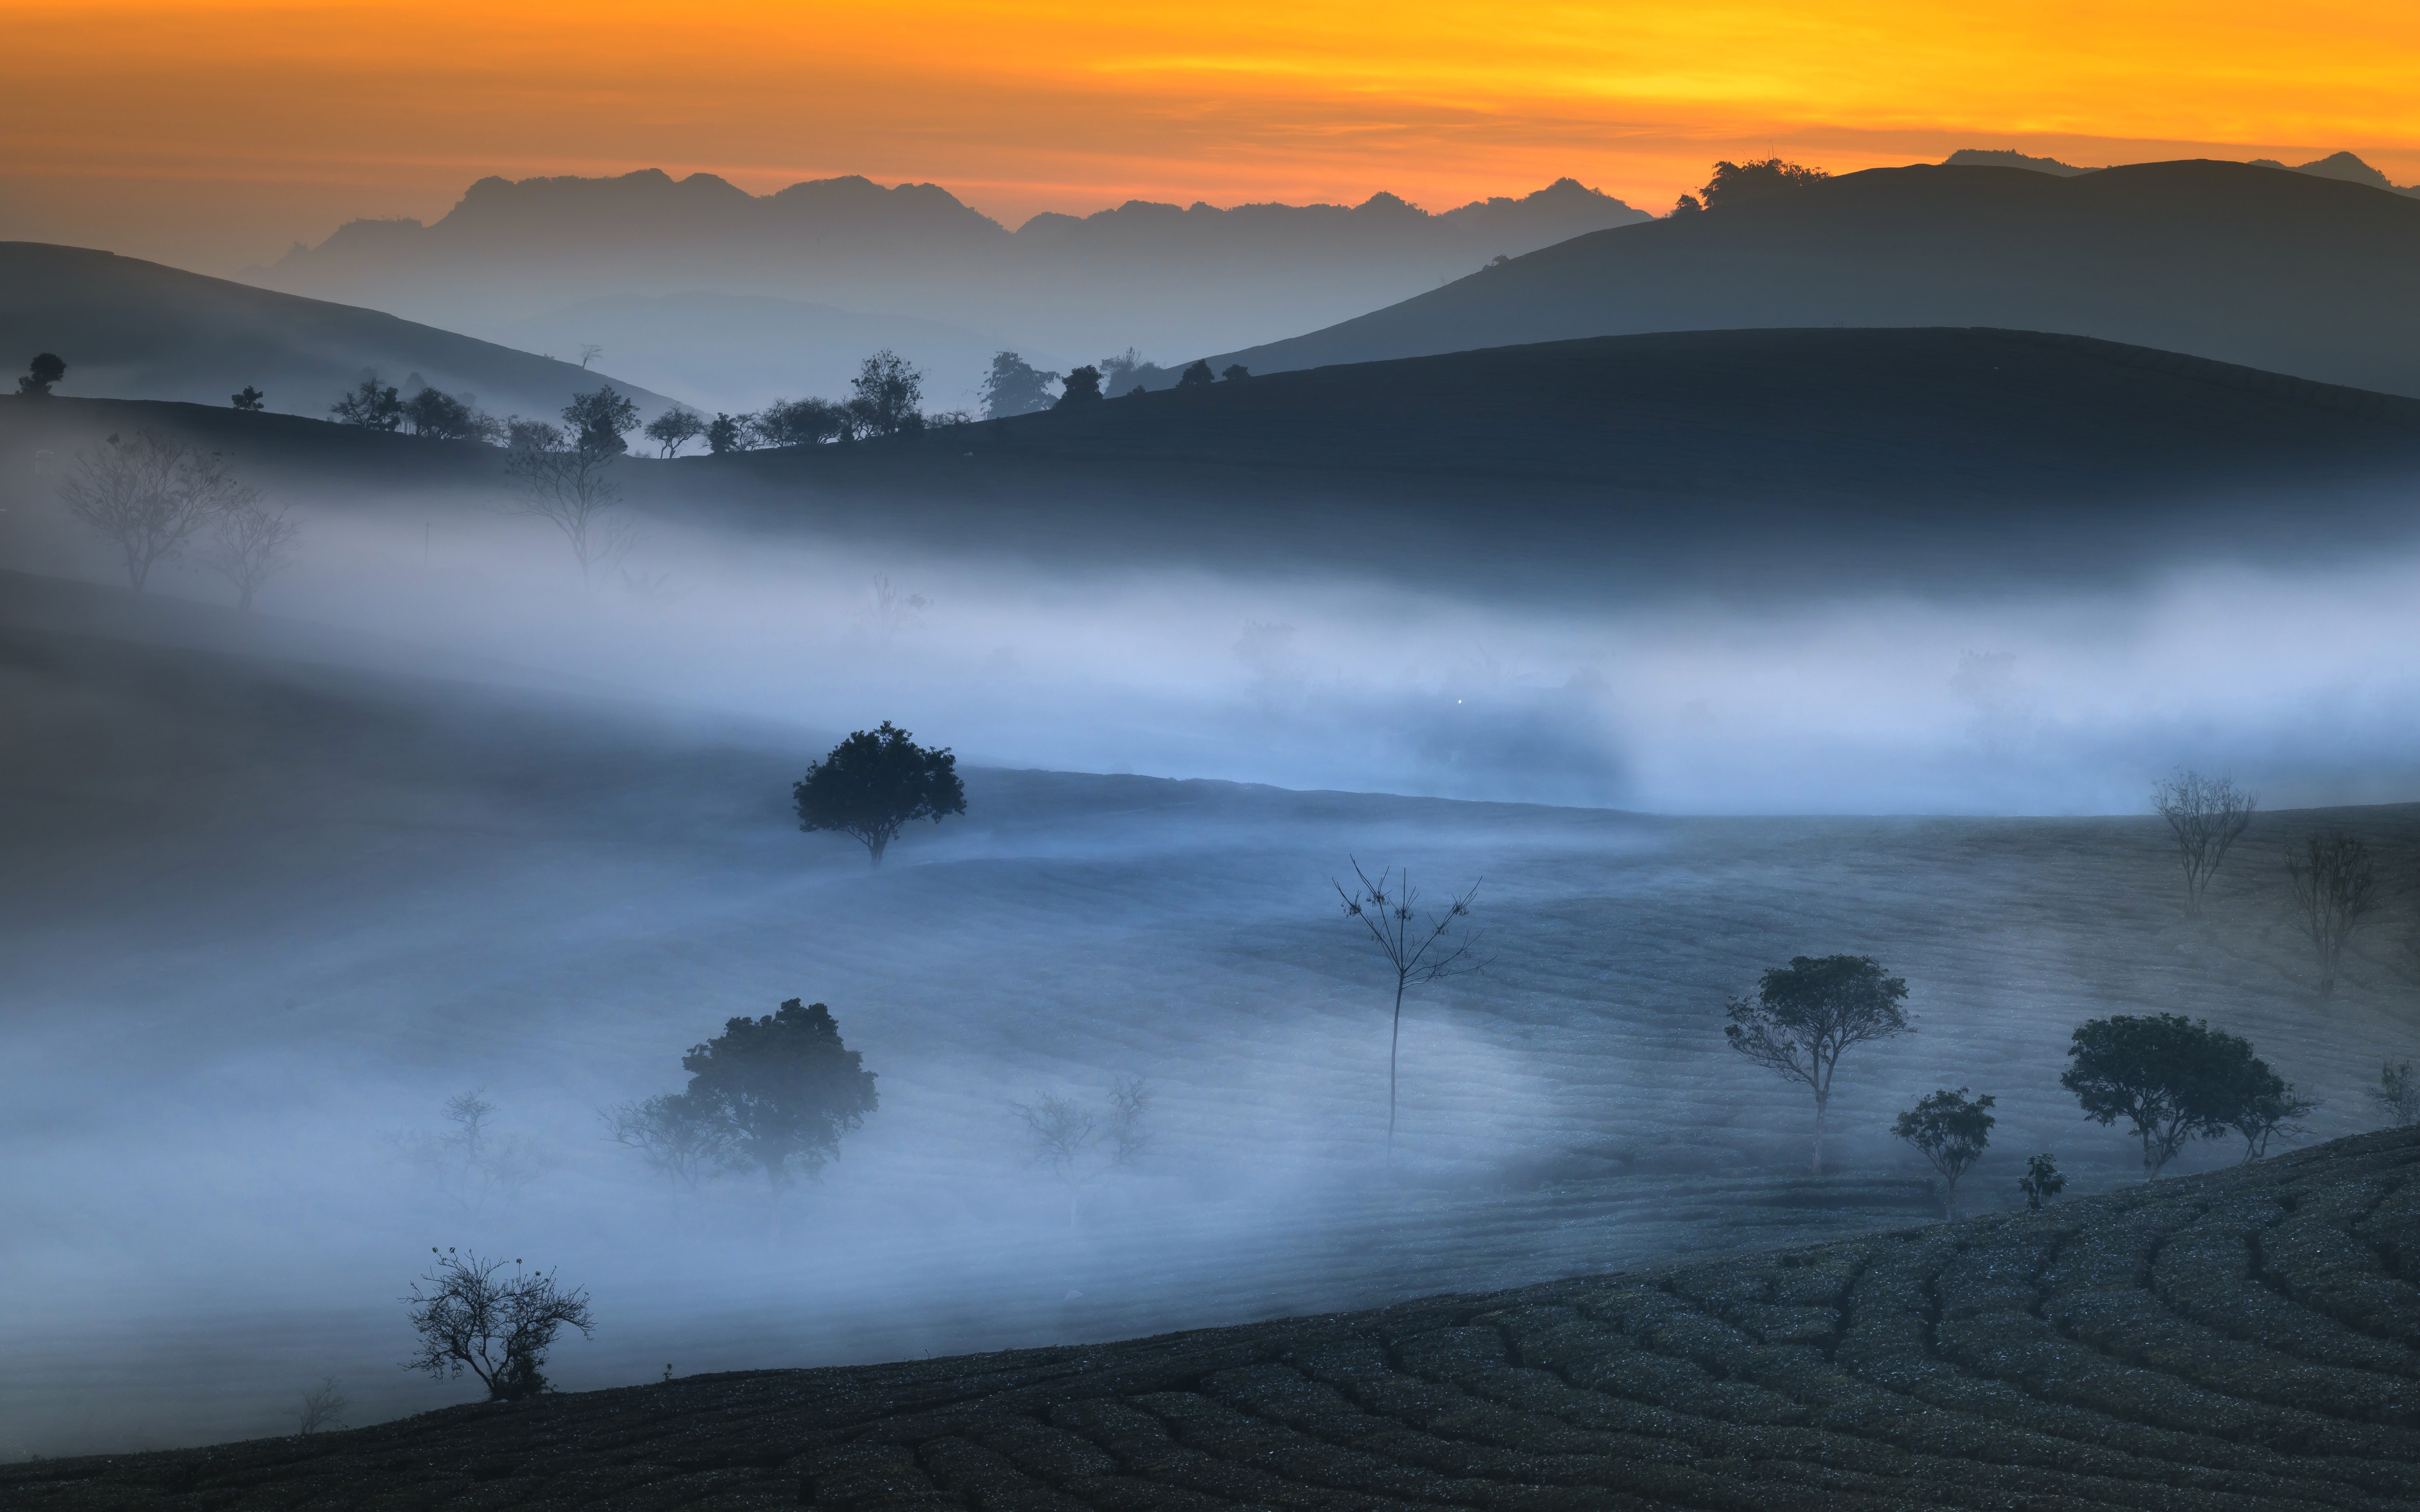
(2239, 1340)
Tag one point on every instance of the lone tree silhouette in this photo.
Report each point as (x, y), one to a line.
(1734, 182)
(1014, 387)
(674, 427)
(568, 482)
(2207, 814)
(2335, 887)
(1197, 376)
(1082, 386)
(1807, 1014)
(1950, 1130)
(2170, 1078)
(1414, 950)
(885, 395)
(45, 370)
(372, 405)
(875, 781)
(781, 1089)
(250, 400)
(498, 1328)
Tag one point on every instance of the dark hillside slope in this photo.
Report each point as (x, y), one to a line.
(2266, 266)
(134, 330)
(2242, 1341)
(1941, 451)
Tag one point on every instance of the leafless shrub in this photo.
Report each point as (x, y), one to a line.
(2398, 1094)
(471, 1160)
(1078, 1147)
(2335, 887)
(150, 497)
(570, 485)
(498, 1328)
(323, 1407)
(2207, 815)
(251, 545)
(675, 1138)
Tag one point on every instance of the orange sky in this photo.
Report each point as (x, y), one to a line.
(213, 132)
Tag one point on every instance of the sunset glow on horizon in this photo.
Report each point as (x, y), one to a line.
(220, 131)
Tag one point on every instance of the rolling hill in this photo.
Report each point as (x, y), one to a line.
(2271, 268)
(134, 330)
(2240, 1341)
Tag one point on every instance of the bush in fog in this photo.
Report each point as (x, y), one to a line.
(1197, 376)
(2398, 1094)
(323, 1407)
(249, 399)
(778, 1092)
(1081, 387)
(801, 423)
(1130, 372)
(150, 497)
(1236, 372)
(2170, 1078)
(2041, 1181)
(1014, 387)
(2263, 1106)
(372, 405)
(1416, 951)
(46, 369)
(444, 417)
(1951, 1130)
(872, 783)
(728, 433)
(2333, 886)
(886, 396)
(2206, 815)
(472, 1316)
(674, 428)
(1079, 1147)
(1805, 1015)
(570, 485)
(600, 420)
(679, 1136)
(471, 1160)
(250, 544)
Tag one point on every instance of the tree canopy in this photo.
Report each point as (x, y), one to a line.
(250, 400)
(2170, 1078)
(1082, 386)
(1951, 1130)
(875, 783)
(1805, 1014)
(600, 420)
(1734, 182)
(1197, 376)
(371, 405)
(783, 1089)
(1014, 387)
(885, 397)
(45, 370)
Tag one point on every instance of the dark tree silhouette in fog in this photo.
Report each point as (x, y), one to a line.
(440, 416)
(250, 400)
(1014, 387)
(1735, 182)
(803, 423)
(1082, 387)
(1951, 1130)
(875, 781)
(470, 1317)
(1197, 376)
(674, 428)
(2207, 815)
(371, 405)
(728, 433)
(251, 545)
(1416, 950)
(569, 485)
(1235, 373)
(45, 370)
(783, 1087)
(2335, 887)
(2172, 1078)
(1807, 1014)
(150, 497)
(600, 420)
(886, 396)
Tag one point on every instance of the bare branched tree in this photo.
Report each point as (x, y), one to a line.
(150, 497)
(473, 1162)
(2398, 1093)
(570, 485)
(675, 1136)
(1081, 1148)
(1415, 949)
(323, 1407)
(2207, 814)
(473, 1317)
(893, 610)
(251, 545)
(2335, 887)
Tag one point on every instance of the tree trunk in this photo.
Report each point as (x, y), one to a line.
(1394, 1040)
(1823, 1097)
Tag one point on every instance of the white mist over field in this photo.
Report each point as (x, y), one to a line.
(447, 821)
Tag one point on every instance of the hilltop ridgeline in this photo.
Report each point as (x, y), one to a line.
(2244, 1339)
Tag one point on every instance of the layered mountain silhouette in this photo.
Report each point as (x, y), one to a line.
(135, 330)
(1164, 277)
(2270, 268)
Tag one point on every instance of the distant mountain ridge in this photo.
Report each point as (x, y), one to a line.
(2344, 166)
(1163, 277)
(2292, 272)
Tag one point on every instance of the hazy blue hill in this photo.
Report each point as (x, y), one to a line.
(2280, 269)
(134, 330)
(1165, 277)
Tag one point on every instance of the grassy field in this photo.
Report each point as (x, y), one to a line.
(263, 918)
(2241, 1340)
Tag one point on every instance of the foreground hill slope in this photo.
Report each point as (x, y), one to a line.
(2242, 1340)
(2261, 266)
(134, 329)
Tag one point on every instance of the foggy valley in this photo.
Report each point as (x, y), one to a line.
(1701, 598)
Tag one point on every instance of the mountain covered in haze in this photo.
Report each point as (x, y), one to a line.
(1162, 277)
(2297, 272)
(135, 330)
(2344, 166)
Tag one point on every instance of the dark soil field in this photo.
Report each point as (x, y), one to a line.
(2244, 1340)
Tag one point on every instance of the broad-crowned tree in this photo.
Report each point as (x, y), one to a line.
(783, 1088)
(1082, 386)
(600, 420)
(1950, 1130)
(45, 370)
(250, 400)
(875, 783)
(470, 1316)
(2172, 1078)
(371, 405)
(674, 428)
(1807, 1014)
(887, 394)
(1014, 387)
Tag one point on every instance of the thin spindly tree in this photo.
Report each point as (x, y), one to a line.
(1416, 948)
